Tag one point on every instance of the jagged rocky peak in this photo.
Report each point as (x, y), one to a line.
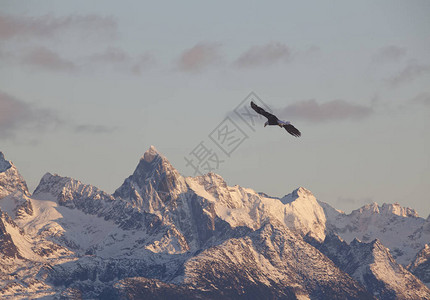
(304, 213)
(298, 194)
(4, 164)
(149, 155)
(373, 266)
(10, 179)
(211, 181)
(397, 209)
(153, 161)
(375, 250)
(51, 184)
(386, 209)
(422, 256)
(152, 167)
(420, 267)
(154, 180)
(70, 192)
(368, 209)
(375, 244)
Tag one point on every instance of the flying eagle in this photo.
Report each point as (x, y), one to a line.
(273, 120)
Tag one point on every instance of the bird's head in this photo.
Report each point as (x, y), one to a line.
(267, 123)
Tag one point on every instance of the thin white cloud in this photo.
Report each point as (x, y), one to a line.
(142, 63)
(121, 60)
(95, 129)
(312, 111)
(264, 55)
(44, 58)
(409, 74)
(389, 54)
(199, 57)
(16, 114)
(422, 99)
(49, 26)
(110, 55)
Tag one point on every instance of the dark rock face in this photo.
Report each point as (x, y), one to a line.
(144, 288)
(7, 247)
(24, 208)
(153, 289)
(4, 164)
(155, 177)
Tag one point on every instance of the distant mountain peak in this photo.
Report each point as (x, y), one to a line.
(10, 179)
(152, 160)
(212, 179)
(398, 210)
(299, 193)
(372, 208)
(153, 175)
(387, 209)
(421, 265)
(150, 154)
(4, 164)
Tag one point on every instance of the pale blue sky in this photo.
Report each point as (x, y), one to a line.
(87, 87)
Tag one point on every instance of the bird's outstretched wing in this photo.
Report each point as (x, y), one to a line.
(261, 111)
(292, 130)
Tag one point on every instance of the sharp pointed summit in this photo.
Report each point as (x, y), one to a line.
(153, 182)
(10, 179)
(300, 193)
(150, 154)
(4, 164)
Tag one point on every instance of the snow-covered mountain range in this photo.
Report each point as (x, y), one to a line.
(162, 235)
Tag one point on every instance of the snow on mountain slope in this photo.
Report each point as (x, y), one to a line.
(19, 263)
(185, 204)
(107, 221)
(158, 188)
(244, 207)
(14, 195)
(270, 263)
(190, 235)
(273, 262)
(71, 228)
(18, 238)
(400, 229)
(10, 179)
(372, 265)
(420, 267)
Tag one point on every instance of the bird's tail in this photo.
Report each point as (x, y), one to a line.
(292, 130)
